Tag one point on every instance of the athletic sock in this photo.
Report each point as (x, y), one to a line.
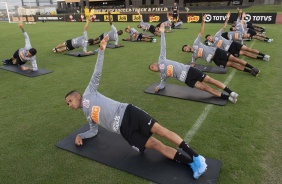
(247, 70)
(227, 90)
(224, 96)
(182, 159)
(184, 146)
(261, 54)
(249, 66)
(260, 57)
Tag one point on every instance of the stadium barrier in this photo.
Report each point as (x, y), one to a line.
(261, 18)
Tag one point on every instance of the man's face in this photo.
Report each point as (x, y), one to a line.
(73, 101)
(187, 49)
(127, 30)
(28, 54)
(210, 38)
(154, 67)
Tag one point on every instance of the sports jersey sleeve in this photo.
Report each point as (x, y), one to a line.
(27, 41)
(115, 32)
(218, 33)
(162, 56)
(33, 63)
(94, 81)
(91, 132)
(163, 82)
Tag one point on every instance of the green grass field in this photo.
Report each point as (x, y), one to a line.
(245, 136)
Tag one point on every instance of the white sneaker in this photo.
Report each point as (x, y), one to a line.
(269, 40)
(233, 100)
(234, 95)
(266, 57)
(155, 40)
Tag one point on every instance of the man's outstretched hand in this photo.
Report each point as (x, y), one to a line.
(20, 24)
(104, 42)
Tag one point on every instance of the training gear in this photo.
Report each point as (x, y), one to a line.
(231, 99)
(255, 71)
(200, 165)
(234, 95)
(266, 57)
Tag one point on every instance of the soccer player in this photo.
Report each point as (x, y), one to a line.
(145, 26)
(135, 125)
(233, 47)
(74, 43)
(113, 35)
(249, 33)
(178, 24)
(190, 75)
(23, 55)
(175, 12)
(167, 24)
(220, 57)
(134, 35)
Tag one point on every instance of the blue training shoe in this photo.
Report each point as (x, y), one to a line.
(196, 174)
(200, 164)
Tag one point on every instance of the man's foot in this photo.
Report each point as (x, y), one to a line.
(266, 57)
(231, 99)
(234, 95)
(200, 164)
(196, 174)
(255, 72)
(7, 62)
(55, 50)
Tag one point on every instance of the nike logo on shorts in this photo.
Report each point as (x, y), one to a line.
(150, 122)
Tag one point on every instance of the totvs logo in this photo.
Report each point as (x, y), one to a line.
(154, 18)
(193, 18)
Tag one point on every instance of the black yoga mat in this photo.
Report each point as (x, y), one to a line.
(111, 149)
(210, 69)
(187, 93)
(28, 73)
(79, 54)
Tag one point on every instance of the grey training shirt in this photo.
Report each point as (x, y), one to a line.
(169, 68)
(221, 42)
(99, 109)
(80, 42)
(202, 51)
(24, 50)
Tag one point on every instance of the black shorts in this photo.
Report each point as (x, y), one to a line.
(174, 16)
(220, 57)
(235, 48)
(252, 32)
(225, 35)
(69, 45)
(193, 76)
(139, 37)
(152, 29)
(250, 26)
(101, 37)
(136, 127)
(159, 24)
(17, 57)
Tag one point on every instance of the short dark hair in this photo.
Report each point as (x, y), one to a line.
(207, 36)
(90, 41)
(126, 29)
(32, 51)
(121, 32)
(183, 47)
(150, 66)
(72, 93)
(231, 29)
